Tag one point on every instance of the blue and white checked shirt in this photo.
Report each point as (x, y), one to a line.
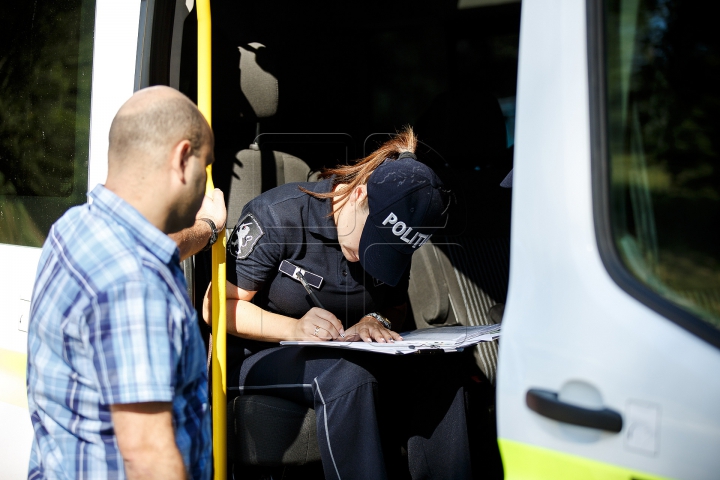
(111, 323)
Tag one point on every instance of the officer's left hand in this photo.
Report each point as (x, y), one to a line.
(369, 329)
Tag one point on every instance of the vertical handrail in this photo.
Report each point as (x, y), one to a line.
(219, 374)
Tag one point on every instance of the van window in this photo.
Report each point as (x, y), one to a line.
(663, 126)
(45, 74)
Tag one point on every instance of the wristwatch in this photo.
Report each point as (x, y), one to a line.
(383, 321)
(213, 235)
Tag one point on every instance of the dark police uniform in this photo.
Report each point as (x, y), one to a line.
(286, 224)
(353, 393)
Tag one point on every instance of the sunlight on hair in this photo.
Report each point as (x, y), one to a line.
(359, 172)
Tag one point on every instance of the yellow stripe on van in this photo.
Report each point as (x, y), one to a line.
(12, 378)
(527, 462)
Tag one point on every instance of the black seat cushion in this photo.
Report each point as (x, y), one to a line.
(271, 431)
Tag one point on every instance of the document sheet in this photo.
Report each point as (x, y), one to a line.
(450, 339)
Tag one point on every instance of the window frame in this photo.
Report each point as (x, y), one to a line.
(600, 171)
(155, 35)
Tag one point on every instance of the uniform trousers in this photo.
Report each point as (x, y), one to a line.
(369, 406)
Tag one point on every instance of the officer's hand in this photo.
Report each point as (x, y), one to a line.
(213, 207)
(207, 305)
(369, 329)
(318, 324)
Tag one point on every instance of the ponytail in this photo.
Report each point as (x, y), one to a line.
(352, 176)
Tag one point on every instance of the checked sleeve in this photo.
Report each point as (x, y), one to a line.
(136, 342)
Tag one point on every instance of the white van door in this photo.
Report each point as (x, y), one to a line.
(609, 363)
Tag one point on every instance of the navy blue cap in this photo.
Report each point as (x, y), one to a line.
(507, 181)
(407, 205)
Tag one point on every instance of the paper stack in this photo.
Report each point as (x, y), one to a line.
(450, 339)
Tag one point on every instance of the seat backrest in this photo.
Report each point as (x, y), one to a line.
(262, 430)
(457, 281)
(256, 170)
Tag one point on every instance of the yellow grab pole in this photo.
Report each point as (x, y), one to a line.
(219, 319)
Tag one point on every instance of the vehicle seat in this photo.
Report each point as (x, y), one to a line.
(256, 170)
(265, 431)
(469, 277)
(269, 432)
(469, 263)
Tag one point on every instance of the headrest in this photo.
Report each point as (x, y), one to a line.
(258, 85)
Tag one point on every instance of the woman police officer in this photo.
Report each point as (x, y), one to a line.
(350, 237)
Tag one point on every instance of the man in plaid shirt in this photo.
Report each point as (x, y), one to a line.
(116, 375)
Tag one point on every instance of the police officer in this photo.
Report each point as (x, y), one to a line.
(350, 237)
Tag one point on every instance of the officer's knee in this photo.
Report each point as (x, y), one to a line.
(341, 378)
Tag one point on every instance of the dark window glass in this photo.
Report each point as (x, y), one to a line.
(663, 94)
(45, 74)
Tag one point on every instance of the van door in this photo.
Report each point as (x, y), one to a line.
(609, 362)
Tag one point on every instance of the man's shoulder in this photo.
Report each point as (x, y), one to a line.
(101, 250)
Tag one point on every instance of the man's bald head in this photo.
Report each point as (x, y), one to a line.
(149, 124)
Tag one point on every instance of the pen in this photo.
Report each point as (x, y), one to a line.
(310, 292)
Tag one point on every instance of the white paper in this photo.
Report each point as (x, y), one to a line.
(449, 339)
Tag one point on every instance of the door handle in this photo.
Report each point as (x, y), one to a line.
(547, 404)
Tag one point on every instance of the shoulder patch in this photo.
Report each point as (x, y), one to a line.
(244, 237)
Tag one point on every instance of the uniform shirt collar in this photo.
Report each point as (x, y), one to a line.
(319, 219)
(155, 241)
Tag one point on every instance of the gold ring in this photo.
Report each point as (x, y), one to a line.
(317, 329)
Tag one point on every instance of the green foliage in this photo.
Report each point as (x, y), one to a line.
(45, 65)
(663, 68)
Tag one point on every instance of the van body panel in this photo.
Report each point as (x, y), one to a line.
(114, 54)
(114, 62)
(16, 283)
(15, 440)
(528, 462)
(568, 327)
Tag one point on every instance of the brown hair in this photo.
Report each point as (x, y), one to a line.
(359, 172)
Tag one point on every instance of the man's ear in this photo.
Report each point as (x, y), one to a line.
(180, 159)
